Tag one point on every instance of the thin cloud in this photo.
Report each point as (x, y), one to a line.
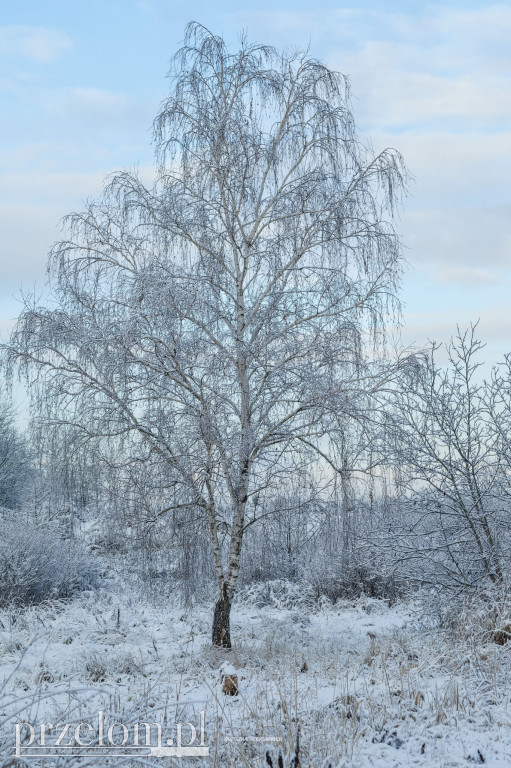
(422, 67)
(494, 327)
(466, 276)
(93, 103)
(458, 237)
(37, 43)
(434, 82)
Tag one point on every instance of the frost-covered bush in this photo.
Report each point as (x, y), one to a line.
(279, 593)
(36, 563)
(353, 581)
(481, 617)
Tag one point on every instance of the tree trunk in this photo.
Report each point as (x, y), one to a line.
(221, 620)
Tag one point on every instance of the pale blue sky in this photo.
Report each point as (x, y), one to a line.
(81, 82)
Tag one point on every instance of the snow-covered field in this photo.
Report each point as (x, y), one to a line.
(365, 683)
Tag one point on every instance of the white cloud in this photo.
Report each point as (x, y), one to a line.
(466, 276)
(434, 83)
(472, 237)
(443, 65)
(89, 102)
(430, 65)
(473, 166)
(494, 328)
(32, 205)
(38, 43)
(395, 95)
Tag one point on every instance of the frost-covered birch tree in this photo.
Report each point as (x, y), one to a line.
(218, 320)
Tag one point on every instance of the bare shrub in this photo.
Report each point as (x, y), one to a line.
(279, 593)
(355, 581)
(36, 563)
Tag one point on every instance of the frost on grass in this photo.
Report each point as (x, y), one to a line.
(366, 684)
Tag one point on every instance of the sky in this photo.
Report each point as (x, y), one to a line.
(80, 84)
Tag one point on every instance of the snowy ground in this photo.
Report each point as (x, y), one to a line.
(368, 685)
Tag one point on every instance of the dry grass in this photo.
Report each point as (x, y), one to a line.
(388, 693)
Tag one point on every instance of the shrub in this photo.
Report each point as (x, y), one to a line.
(355, 581)
(36, 563)
(278, 593)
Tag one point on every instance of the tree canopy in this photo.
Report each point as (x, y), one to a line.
(217, 321)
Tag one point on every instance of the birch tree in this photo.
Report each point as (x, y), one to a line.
(218, 320)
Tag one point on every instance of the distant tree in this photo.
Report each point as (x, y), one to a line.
(14, 459)
(499, 407)
(449, 458)
(218, 321)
